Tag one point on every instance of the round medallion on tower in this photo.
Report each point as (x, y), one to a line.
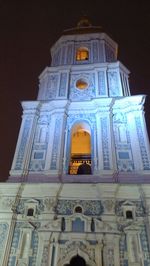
(82, 84)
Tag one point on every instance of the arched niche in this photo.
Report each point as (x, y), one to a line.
(80, 147)
(76, 253)
(77, 260)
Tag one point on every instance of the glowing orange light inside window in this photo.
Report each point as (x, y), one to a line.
(82, 54)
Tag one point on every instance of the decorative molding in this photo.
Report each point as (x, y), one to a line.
(109, 205)
(73, 248)
(21, 208)
(139, 208)
(90, 207)
(84, 94)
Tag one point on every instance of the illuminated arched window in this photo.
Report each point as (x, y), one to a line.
(82, 54)
(80, 147)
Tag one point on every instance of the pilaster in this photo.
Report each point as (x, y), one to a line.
(25, 140)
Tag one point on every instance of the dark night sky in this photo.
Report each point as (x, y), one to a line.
(29, 28)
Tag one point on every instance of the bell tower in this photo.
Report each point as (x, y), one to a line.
(84, 115)
(79, 186)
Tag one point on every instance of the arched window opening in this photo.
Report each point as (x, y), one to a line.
(77, 260)
(92, 225)
(82, 54)
(77, 225)
(63, 224)
(80, 149)
(129, 215)
(30, 212)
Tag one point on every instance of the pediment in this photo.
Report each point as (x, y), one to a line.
(128, 203)
(32, 201)
(105, 226)
(28, 225)
(132, 227)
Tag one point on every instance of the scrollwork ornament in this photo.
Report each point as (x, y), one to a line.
(109, 205)
(45, 256)
(8, 202)
(49, 203)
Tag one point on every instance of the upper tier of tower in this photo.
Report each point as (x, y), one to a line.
(84, 44)
(84, 66)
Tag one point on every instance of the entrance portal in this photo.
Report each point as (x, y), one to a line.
(77, 261)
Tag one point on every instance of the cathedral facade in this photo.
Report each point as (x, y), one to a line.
(79, 186)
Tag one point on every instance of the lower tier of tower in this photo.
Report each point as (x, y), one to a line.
(74, 224)
(108, 135)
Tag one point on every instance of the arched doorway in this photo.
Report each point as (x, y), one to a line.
(77, 261)
(80, 148)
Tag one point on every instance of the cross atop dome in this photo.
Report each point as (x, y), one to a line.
(84, 25)
(84, 22)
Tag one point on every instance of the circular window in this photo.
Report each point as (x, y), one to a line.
(78, 209)
(82, 84)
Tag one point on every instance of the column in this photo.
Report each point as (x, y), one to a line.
(111, 250)
(134, 247)
(98, 254)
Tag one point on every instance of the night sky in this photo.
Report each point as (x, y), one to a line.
(29, 28)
